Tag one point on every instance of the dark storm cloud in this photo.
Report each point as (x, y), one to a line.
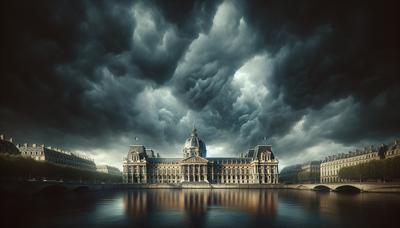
(335, 51)
(75, 68)
(308, 75)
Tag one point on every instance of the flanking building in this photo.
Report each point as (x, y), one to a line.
(332, 164)
(57, 156)
(257, 166)
(393, 150)
(308, 172)
(290, 174)
(108, 169)
(7, 146)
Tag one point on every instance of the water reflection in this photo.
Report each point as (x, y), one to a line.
(207, 208)
(195, 204)
(202, 208)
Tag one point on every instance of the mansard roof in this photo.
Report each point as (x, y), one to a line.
(254, 153)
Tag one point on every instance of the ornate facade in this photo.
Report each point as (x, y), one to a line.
(257, 166)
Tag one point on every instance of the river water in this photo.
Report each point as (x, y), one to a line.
(203, 208)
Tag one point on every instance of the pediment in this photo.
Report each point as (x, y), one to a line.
(194, 159)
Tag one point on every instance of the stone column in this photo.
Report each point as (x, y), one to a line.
(212, 173)
(131, 174)
(194, 172)
(240, 175)
(205, 172)
(187, 172)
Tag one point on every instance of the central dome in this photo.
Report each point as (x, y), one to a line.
(194, 146)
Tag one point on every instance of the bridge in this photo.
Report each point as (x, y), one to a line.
(350, 186)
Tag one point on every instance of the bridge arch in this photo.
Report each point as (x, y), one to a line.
(322, 188)
(347, 188)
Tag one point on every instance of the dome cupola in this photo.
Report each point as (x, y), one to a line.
(194, 146)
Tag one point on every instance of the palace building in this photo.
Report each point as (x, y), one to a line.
(257, 166)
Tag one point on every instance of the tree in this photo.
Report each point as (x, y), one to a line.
(385, 169)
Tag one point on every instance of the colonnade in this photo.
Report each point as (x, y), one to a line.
(266, 174)
(136, 174)
(194, 172)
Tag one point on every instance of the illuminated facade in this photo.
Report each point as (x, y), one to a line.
(257, 166)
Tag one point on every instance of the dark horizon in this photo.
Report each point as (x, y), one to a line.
(315, 78)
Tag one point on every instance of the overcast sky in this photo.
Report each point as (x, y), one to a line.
(314, 77)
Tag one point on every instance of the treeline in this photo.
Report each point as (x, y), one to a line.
(15, 167)
(385, 169)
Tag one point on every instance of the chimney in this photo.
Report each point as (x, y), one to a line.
(396, 142)
(2, 137)
(11, 140)
(25, 144)
(34, 145)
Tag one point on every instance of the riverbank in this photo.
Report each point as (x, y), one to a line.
(35, 187)
(203, 186)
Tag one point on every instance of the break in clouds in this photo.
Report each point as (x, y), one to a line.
(314, 77)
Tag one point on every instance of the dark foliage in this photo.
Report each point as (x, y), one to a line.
(386, 169)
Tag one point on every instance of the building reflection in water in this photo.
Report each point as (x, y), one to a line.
(194, 203)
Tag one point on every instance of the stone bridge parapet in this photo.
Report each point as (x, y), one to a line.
(355, 186)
